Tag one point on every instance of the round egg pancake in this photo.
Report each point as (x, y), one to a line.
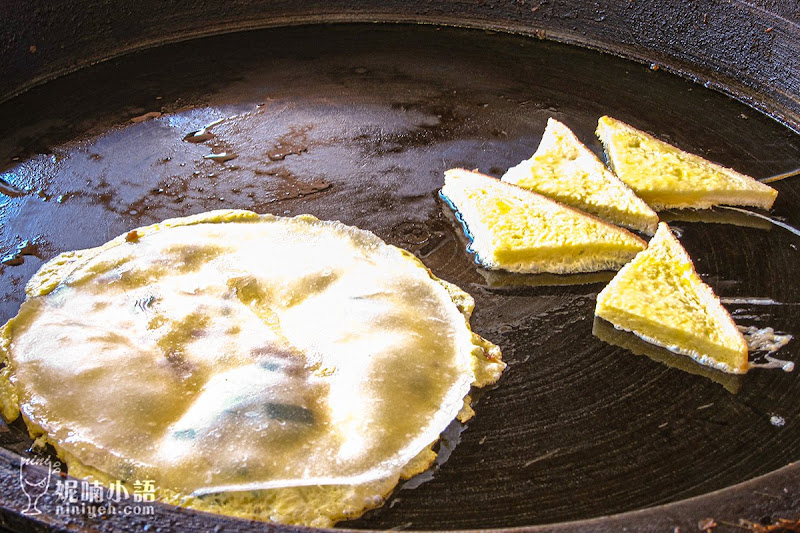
(285, 369)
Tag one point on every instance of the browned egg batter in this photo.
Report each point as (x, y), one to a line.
(283, 369)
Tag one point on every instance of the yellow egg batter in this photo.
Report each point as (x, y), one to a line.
(285, 369)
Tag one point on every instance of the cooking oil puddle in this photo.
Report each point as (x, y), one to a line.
(293, 143)
(10, 190)
(23, 249)
(221, 157)
(750, 301)
(220, 139)
(778, 223)
(31, 177)
(293, 187)
(765, 342)
(782, 176)
(204, 134)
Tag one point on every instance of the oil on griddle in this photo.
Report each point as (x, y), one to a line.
(358, 123)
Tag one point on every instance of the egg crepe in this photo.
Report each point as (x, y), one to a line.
(285, 369)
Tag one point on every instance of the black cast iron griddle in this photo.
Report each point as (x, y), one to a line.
(357, 123)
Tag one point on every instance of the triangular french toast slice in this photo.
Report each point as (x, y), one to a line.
(660, 297)
(518, 230)
(564, 169)
(666, 177)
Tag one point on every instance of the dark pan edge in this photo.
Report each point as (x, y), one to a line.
(754, 500)
(740, 49)
(763, 500)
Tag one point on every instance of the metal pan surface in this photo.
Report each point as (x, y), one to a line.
(358, 123)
